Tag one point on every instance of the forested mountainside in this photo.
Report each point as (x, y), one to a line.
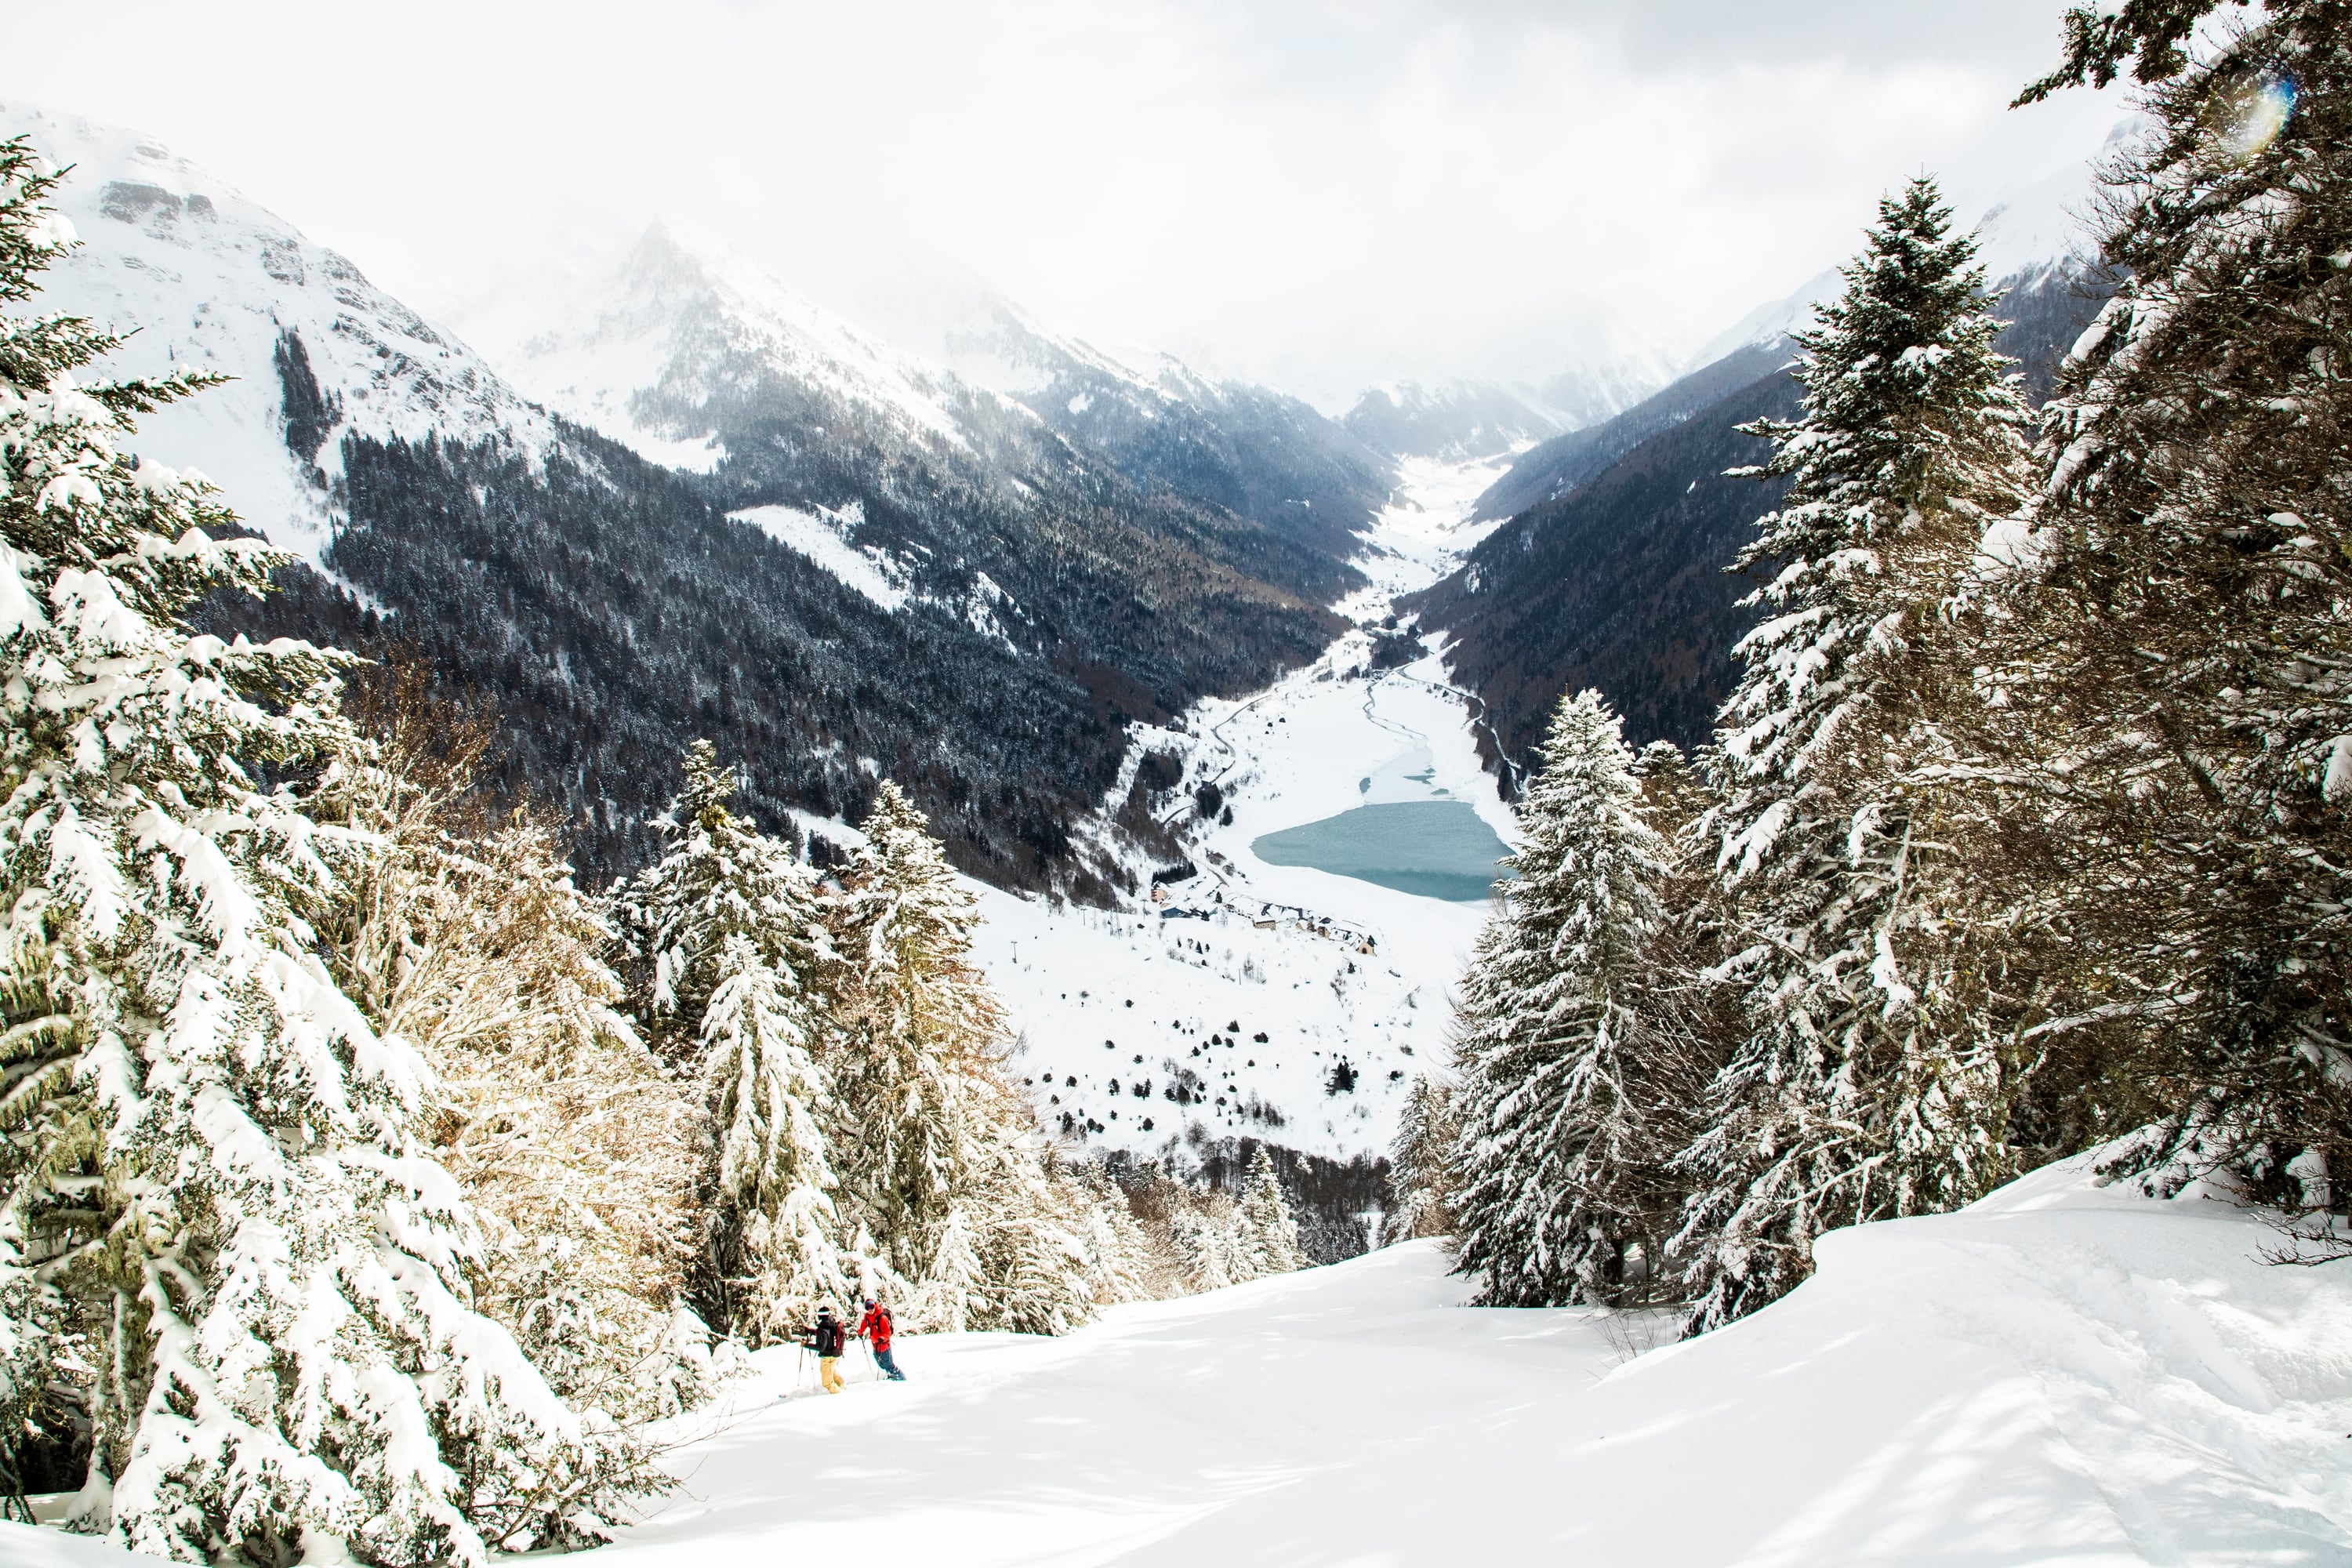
(928, 582)
(686, 349)
(1612, 572)
(1252, 451)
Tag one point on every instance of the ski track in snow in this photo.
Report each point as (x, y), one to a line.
(2061, 1374)
(1128, 999)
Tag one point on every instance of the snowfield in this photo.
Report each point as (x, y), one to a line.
(2063, 1373)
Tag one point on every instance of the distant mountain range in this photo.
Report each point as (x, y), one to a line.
(1611, 568)
(712, 509)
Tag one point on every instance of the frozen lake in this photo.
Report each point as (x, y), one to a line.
(1434, 848)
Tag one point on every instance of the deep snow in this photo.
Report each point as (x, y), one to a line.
(2063, 1373)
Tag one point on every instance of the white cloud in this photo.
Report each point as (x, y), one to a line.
(1324, 192)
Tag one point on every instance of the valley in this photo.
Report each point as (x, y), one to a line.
(1265, 997)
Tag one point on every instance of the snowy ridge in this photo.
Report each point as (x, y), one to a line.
(211, 281)
(676, 321)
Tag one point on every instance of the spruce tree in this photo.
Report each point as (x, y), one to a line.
(953, 1293)
(728, 929)
(220, 1212)
(2175, 655)
(718, 876)
(772, 1194)
(1551, 1138)
(918, 1076)
(1865, 1086)
(1418, 1182)
(1269, 1231)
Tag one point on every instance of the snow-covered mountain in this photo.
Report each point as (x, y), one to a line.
(891, 572)
(208, 279)
(1591, 388)
(682, 336)
(1451, 420)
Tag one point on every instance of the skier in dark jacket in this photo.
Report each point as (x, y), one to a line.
(826, 1340)
(874, 1328)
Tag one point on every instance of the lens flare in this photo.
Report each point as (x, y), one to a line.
(2254, 113)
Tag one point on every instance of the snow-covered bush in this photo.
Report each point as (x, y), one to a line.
(464, 935)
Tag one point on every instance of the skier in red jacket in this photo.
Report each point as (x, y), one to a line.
(874, 1328)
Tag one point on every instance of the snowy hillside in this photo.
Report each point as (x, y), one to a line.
(207, 279)
(2062, 1374)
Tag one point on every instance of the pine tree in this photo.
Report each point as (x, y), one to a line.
(729, 930)
(1551, 1127)
(953, 1292)
(1119, 1261)
(1419, 1175)
(1269, 1231)
(210, 1170)
(765, 1093)
(918, 1076)
(2176, 657)
(1865, 1087)
(719, 876)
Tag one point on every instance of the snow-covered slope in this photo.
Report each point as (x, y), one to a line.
(2062, 1375)
(639, 350)
(207, 279)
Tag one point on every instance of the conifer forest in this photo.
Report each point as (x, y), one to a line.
(575, 860)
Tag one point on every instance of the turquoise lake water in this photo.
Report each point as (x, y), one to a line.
(1436, 849)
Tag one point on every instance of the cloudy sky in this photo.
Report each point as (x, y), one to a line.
(1321, 192)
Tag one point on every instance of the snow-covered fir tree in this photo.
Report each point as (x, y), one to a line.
(2177, 667)
(729, 930)
(1548, 1169)
(953, 1293)
(1269, 1230)
(930, 1122)
(918, 1069)
(1119, 1260)
(1865, 1086)
(1419, 1162)
(773, 1198)
(219, 1210)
